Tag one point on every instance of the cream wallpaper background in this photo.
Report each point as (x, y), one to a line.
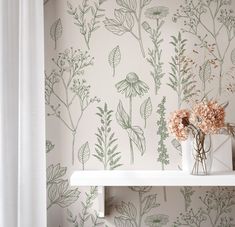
(115, 69)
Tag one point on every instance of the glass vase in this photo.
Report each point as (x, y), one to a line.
(197, 154)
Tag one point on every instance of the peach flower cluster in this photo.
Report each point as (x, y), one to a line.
(208, 116)
(178, 124)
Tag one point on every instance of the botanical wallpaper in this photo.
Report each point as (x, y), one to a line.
(115, 69)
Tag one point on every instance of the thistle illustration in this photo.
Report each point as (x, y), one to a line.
(131, 86)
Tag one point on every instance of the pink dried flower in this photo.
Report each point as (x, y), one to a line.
(208, 116)
(178, 124)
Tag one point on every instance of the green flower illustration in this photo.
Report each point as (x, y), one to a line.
(158, 220)
(156, 13)
(132, 86)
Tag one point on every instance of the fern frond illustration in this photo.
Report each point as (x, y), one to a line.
(87, 17)
(127, 19)
(106, 146)
(154, 55)
(58, 189)
(209, 20)
(181, 79)
(71, 65)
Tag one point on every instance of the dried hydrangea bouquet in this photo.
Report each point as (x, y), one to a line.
(198, 124)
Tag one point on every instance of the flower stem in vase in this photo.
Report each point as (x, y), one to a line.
(200, 154)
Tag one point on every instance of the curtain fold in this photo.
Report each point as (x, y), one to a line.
(22, 122)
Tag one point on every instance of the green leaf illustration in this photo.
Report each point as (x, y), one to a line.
(128, 4)
(127, 19)
(56, 31)
(150, 202)
(55, 173)
(114, 58)
(136, 134)
(60, 194)
(122, 117)
(49, 146)
(115, 27)
(146, 110)
(131, 215)
(84, 154)
(127, 209)
(123, 222)
(119, 15)
(233, 56)
(52, 192)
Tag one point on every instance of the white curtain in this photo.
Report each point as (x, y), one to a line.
(22, 123)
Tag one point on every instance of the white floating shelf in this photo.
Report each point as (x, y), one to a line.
(102, 179)
(149, 178)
